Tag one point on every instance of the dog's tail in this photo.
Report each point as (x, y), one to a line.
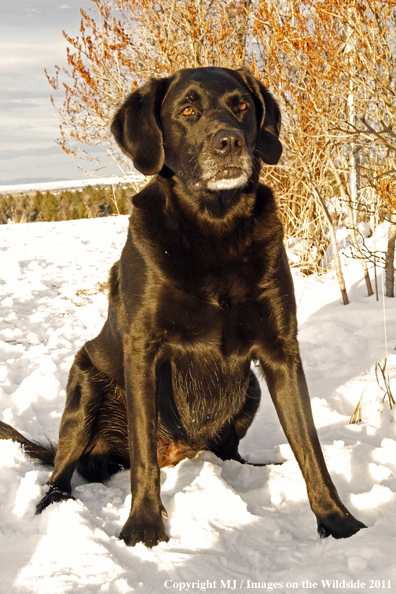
(39, 451)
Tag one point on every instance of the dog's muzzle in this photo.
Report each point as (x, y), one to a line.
(229, 165)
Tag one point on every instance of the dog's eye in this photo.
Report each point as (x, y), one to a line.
(187, 111)
(242, 106)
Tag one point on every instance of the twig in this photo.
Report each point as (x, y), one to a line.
(357, 415)
(386, 381)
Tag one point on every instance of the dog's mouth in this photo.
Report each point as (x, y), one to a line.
(228, 179)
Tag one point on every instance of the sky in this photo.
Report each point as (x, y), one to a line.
(31, 40)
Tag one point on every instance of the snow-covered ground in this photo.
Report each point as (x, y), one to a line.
(233, 528)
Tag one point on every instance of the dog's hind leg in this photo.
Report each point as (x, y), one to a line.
(85, 391)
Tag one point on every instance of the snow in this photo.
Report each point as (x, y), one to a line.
(226, 521)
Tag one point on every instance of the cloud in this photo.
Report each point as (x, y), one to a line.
(40, 152)
(18, 104)
(33, 152)
(31, 40)
(31, 54)
(42, 13)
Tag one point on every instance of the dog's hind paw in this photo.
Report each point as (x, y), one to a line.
(339, 526)
(54, 495)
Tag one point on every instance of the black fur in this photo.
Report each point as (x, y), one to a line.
(202, 289)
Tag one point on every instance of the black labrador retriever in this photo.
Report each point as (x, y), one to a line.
(202, 289)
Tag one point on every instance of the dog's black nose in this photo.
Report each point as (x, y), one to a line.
(227, 142)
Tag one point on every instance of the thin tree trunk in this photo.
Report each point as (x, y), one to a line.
(361, 258)
(243, 34)
(333, 239)
(352, 229)
(390, 258)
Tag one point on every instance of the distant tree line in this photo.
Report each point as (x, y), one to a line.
(65, 205)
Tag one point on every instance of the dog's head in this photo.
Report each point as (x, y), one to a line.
(206, 126)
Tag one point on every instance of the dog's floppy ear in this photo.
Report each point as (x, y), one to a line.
(137, 129)
(268, 119)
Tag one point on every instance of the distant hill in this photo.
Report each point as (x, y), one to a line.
(58, 185)
(68, 200)
(29, 180)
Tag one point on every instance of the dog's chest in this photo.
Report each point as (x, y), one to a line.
(221, 323)
(209, 352)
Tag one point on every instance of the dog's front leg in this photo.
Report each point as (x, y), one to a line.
(289, 392)
(145, 519)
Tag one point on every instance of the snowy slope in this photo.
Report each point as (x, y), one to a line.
(226, 521)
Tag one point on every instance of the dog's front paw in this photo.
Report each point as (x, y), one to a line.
(53, 496)
(339, 525)
(149, 533)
